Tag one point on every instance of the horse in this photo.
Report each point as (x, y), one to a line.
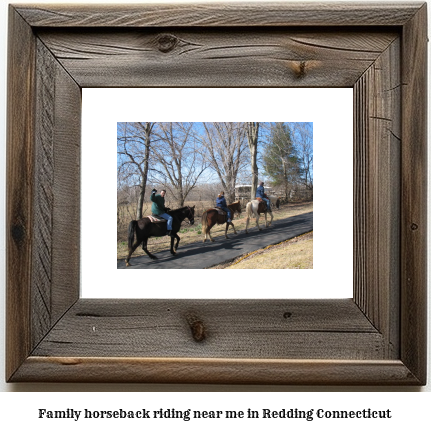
(145, 228)
(212, 217)
(254, 209)
(275, 201)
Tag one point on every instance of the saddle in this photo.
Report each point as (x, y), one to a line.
(220, 211)
(262, 206)
(156, 219)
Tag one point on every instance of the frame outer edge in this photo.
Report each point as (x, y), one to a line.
(217, 14)
(20, 193)
(414, 196)
(215, 371)
(20, 137)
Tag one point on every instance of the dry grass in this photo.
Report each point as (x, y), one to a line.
(190, 234)
(296, 253)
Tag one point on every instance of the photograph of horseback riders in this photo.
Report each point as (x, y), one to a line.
(215, 195)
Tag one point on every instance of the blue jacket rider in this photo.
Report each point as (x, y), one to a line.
(158, 208)
(260, 193)
(221, 203)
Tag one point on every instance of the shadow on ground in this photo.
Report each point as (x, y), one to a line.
(201, 255)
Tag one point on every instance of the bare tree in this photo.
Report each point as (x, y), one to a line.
(178, 162)
(224, 146)
(303, 135)
(253, 139)
(133, 147)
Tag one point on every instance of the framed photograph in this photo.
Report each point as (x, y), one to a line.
(376, 337)
(331, 131)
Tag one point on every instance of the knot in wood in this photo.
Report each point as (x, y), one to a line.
(197, 327)
(300, 69)
(18, 233)
(414, 226)
(167, 42)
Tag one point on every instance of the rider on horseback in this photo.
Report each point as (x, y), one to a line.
(158, 208)
(260, 193)
(221, 203)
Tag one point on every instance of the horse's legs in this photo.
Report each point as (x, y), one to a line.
(178, 241)
(210, 224)
(172, 246)
(208, 231)
(225, 232)
(270, 222)
(144, 247)
(131, 250)
(257, 221)
(227, 226)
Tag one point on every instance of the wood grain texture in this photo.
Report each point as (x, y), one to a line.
(55, 283)
(414, 194)
(66, 190)
(215, 371)
(44, 195)
(19, 200)
(234, 329)
(377, 101)
(228, 58)
(378, 337)
(213, 14)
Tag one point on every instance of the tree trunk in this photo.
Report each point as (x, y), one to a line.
(253, 137)
(140, 202)
(148, 128)
(286, 183)
(254, 172)
(231, 193)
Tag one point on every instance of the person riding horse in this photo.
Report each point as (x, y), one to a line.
(221, 203)
(158, 208)
(260, 193)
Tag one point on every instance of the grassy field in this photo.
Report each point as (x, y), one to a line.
(296, 253)
(190, 234)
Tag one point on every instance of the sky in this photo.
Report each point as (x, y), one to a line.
(209, 175)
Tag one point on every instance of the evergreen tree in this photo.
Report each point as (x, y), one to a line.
(280, 161)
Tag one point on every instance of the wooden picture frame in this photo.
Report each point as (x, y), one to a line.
(376, 338)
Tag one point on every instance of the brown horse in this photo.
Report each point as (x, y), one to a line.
(212, 217)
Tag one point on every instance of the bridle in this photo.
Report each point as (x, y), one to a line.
(190, 215)
(238, 210)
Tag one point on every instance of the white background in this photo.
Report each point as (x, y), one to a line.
(20, 408)
(330, 110)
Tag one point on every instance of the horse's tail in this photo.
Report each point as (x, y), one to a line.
(132, 228)
(249, 210)
(204, 223)
(249, 213)
(277, 204)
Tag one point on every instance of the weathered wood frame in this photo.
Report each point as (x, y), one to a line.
(378, 337)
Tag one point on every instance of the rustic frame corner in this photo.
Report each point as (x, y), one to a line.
(378, 337)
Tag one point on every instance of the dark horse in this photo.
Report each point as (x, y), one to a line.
(212, 217)
(145, 228)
